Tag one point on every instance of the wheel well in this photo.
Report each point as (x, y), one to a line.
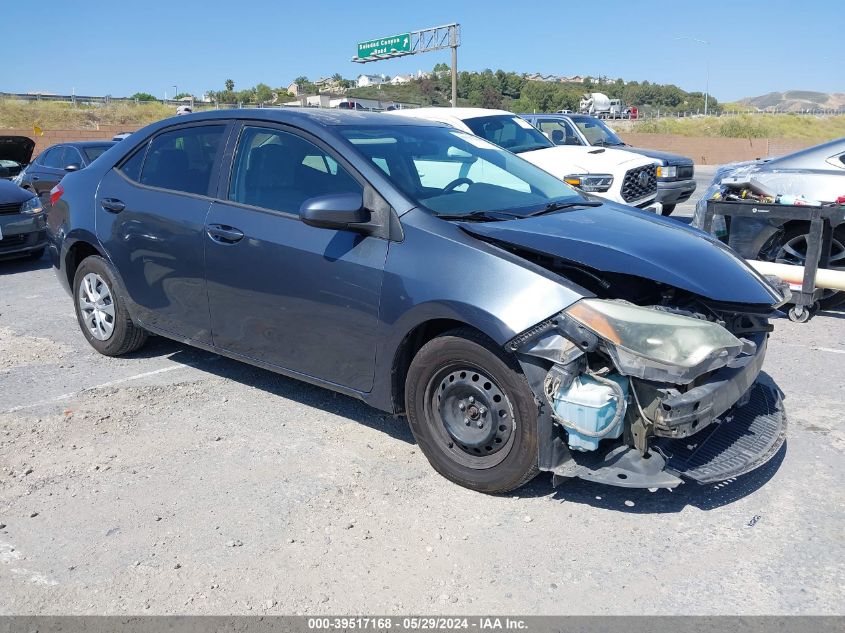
(411, 344)
(76, 254)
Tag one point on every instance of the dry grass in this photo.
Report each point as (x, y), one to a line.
(792, 126)
(64, 116)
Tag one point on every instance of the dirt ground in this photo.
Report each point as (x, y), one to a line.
(176, 481)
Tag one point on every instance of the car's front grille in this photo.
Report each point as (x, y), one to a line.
(8, 209)
(639, 183)
(685, 172)
(13, 240)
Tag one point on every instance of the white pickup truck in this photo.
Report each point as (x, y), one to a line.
(614, 174)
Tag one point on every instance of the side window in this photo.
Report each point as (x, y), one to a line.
(53, 158)
(560, 132)
(131, 168)
(182, 160)
(279, 170)
(71, 157)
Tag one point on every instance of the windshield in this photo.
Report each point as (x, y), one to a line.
(93, 152)
(596, 131)
(514, 134)
(453, 173)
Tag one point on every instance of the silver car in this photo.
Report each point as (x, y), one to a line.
(817, 173)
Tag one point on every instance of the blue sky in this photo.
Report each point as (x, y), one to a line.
(124, 46)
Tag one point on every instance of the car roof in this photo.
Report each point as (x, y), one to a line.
(323, 117)
(814, 157)
(461, 114)
(83, 144)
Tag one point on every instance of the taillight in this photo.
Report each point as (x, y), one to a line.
(56, 193)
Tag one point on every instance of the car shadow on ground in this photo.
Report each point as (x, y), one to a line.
(23, 265)
(278, 385)
(628, 500)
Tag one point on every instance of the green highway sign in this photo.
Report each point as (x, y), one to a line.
(385, 45)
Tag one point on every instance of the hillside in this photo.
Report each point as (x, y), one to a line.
(796, 101)
(516, 92)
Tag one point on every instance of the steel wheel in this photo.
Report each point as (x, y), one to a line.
(97, 306)
(793, 251)
(473, 418)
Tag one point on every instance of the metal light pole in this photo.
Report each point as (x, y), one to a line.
(175, 91)
(453, 42)
(707, 62)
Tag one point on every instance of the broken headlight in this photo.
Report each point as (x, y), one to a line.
(656, 345)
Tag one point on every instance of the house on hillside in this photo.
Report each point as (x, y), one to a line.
(575, 79)
(401, 79)
(369, 80)
(293, 88)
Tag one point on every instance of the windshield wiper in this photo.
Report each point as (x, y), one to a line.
(559, 206)
(479, 216)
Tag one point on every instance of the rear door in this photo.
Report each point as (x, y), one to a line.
(281, 292)
(151, 212)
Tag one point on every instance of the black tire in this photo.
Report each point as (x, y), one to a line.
(667, 209)
(831, 299)
(37, 254)
(125, 336)
(509, 459)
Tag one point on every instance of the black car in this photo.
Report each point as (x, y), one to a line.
(15, 154)
(22, 223)
(52, 164)
(520, 325)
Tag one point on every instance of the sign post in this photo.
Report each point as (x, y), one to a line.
(413, 43)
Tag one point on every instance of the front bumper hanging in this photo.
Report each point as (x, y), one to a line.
(743, 438)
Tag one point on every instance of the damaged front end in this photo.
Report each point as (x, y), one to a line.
(644, 396)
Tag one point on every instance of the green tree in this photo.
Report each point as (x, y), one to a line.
(143, 96)
(263, 93)
(230, 85)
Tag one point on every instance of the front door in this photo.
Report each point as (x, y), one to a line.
(299, 297)
(151, 212)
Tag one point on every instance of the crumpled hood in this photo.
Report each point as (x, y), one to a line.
(620, 239)
(562, 160)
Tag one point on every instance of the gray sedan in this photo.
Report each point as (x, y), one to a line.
(519, 325)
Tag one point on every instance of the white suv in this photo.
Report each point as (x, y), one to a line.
(614, 174)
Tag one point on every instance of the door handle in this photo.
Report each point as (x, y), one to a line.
(224, 234)
(112, 204)
(34, 177)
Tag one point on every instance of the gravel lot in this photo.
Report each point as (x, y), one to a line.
(176, 481)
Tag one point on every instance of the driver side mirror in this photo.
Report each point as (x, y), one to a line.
(72, 167)
(339, 211)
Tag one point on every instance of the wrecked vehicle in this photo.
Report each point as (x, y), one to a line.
(15, 154)
(519, 325)
(816, 173)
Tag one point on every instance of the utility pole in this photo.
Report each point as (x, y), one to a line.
(706, 61)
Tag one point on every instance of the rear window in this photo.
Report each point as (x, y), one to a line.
(182, 160)
(94, 152)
